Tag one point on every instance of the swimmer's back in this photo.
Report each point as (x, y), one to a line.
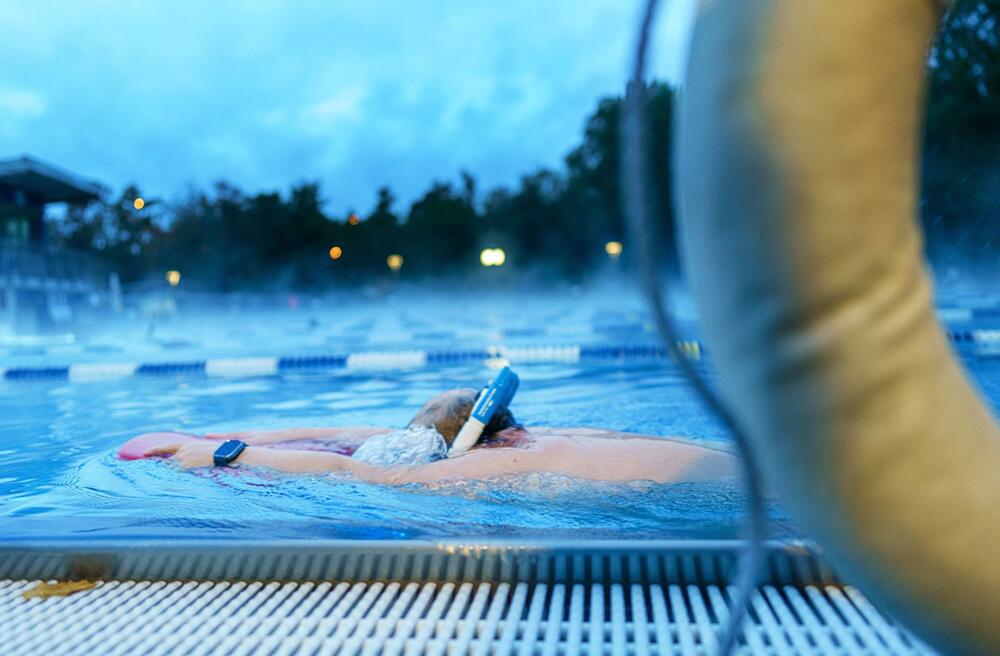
(607, 455)
(579, 453)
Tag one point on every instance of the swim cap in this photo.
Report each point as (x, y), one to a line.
(416, 445)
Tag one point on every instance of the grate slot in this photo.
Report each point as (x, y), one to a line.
(491, 624)
(814, 626)
(794, 629)
(854, 621)
(554, 621)
(404, 623)
(530, 626)
(899, 641)
(703, 620)
(848, 638)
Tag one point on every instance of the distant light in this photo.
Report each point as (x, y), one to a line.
(395, 262)
(492, 257)
(496, 363)
(174, 278)
(353, 219)
(139, 203)
(336, 252)
(613, 248)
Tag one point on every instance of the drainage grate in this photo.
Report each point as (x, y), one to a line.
(682, 562)
(352, 597)
(173, 617)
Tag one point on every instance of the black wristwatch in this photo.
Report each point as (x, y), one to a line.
(228, 451)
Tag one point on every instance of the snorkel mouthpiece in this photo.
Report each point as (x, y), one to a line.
(497, 396)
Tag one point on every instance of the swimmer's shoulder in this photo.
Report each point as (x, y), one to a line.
(604, 433)
(552, 431)
(587, 431)
(586, 434)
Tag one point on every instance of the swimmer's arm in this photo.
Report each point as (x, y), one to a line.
(475, 465)
(201, 454)
(356, 434)
(314, 462)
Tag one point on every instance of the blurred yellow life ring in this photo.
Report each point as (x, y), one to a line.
(798, 179)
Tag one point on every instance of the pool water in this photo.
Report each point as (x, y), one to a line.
(59, 476)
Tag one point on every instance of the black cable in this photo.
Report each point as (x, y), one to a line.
(640, 210)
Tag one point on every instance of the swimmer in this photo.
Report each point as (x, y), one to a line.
(505, 447)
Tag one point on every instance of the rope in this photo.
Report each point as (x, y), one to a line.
(640, 210)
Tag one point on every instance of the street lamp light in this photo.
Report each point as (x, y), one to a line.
(490, 257)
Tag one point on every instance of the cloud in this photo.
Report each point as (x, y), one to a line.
(21, 104)
(354, 95)
(344, 105)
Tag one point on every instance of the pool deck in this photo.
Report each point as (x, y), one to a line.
(448, 597)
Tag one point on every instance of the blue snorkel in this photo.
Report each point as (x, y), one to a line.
(497, 396)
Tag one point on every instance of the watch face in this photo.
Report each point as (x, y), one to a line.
(228, 450)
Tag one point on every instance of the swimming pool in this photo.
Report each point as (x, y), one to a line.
(157, 538)
(59, 476)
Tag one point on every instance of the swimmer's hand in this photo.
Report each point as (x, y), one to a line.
(186, 454)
